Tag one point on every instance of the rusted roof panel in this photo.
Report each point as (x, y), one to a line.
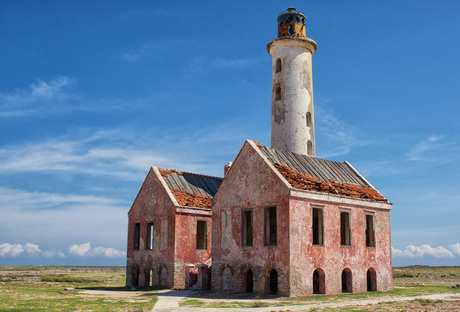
(321, 169)
(192, 183)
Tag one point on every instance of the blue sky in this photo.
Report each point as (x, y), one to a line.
(93, 93)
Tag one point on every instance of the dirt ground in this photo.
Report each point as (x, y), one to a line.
(407, 276)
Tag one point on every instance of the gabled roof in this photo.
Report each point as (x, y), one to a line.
(321, 175)
(322, 169)
(191, 189)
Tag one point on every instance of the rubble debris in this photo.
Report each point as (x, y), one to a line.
(305, 181)
(167, 172)
(258, 144)
(185, 198)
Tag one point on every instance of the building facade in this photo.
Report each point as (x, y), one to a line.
(280, 222)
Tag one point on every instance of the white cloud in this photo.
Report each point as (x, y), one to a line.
(418, 152)
(14, 250)
(80, 250)
(455, 248)
(42, 98)
(203, 64)
(11, 250)
(85, 250)
(31, 249)
(423, 251)
(339, 137)
(150, 51)
(85, 155)
(53, 254)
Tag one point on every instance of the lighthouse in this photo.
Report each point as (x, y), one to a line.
(292, 124)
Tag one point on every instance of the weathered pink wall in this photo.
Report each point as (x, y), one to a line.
(253, 184)
(332, 258)
(154, 203)
(185, 247)
(250, 183)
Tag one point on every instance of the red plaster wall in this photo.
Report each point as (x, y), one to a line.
(251, 183)
(152, 203)
(185, 248)
(331, 257)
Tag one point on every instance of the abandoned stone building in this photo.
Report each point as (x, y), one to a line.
(281, 221)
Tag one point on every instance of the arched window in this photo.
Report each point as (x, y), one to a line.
(273, 282)
(278, 65)
(371, 280)
(278, 93)
(308, 117)
(347, 284)
(249, 281)
(319, 282)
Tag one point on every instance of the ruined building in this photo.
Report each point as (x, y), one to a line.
(281, 221)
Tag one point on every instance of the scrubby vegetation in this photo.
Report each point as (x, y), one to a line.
(37, 288)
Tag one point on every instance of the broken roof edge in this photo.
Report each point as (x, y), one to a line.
(165, 185)
(191, 173)
(359, 174)
(341, 199)
(256, 146)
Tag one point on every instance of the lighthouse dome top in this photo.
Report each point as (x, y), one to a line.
(290, 16)
(291, 23)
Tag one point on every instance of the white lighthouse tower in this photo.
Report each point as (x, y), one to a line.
(293, 126)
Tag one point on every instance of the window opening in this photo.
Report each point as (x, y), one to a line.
(371, 280)
(163, 276)
(278, 93)
(247, 228)
(291, 30)
(346, 281)
(308, 117)
(318, 282)
(135, 277)
(309, 148)
(273, 282)
(317, 226)
(164, 234)
(226, 279)
(370, 240)
(136, 235)
(270, 226)
(149, 236)
(249, 281)
(345, 237)
(201, 231)
(278, 65)
(147, 278)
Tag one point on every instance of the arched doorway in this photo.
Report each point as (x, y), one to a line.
(249, 281)
(318, 282)
(371, 280)
(273, 282)
(227, 279)
(163, 276)
(135, 277)
(347, 284)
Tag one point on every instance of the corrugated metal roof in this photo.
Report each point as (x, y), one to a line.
(321, 169)
(192, 182)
